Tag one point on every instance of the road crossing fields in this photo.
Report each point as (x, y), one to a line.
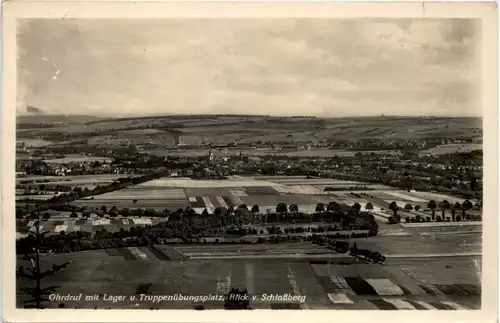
(421, 285)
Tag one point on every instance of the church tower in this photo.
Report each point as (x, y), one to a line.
(210, 155)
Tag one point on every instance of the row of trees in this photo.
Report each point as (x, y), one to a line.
(150, 235)
(243, 214)
(433, 205)
(445, 206)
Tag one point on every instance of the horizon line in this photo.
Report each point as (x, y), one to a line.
(244, 115)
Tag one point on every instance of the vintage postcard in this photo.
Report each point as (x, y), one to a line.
(174, 161)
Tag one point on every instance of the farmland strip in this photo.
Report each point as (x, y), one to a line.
(224, 280)
(428, 290)
(200, 202)
(158, 253)
(454, 305)
(113, 252)
(425, 305)
(360, 286)
(138, 253)
(327, 284)
(385, 287)
(339, 298)
(249, 278)
(237, 200)
(451, 290)
(221, 201)
(125, 252)
(228, 201)
(400, 304)
(470, 288)
(419, 306)
(441, 306)
(383, 305)
(210, 207)
(293, 283)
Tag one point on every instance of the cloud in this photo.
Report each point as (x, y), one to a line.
(329, 67)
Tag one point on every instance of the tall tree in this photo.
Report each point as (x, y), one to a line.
(37, 293)
(218, 211)
(369, 206)
(466, 205)
(281, 207)
(444, 205)
(432, 206)
(356, 207)
(320, 207)
(294, 208)
(333, 207)
(408, 207)
(394, 207)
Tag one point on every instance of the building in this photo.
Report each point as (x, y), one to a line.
(211, 156)
(21, 146)
(178, 141)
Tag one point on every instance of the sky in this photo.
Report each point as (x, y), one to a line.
(318, 67)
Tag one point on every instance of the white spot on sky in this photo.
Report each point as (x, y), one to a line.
(54, 77)
(45, 59)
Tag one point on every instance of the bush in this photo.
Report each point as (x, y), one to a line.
(458, 218)
(394, 220)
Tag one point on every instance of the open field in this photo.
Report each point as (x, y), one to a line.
(134, 137)
(400, 284)
(41, 197)
(89, 181)
(427, 267)
(33, 143)
(451, 148)
(266, 192)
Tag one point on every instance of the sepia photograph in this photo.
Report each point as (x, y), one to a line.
(250, 163)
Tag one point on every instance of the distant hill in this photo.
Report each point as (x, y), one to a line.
(45, 118)
(237, 128)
